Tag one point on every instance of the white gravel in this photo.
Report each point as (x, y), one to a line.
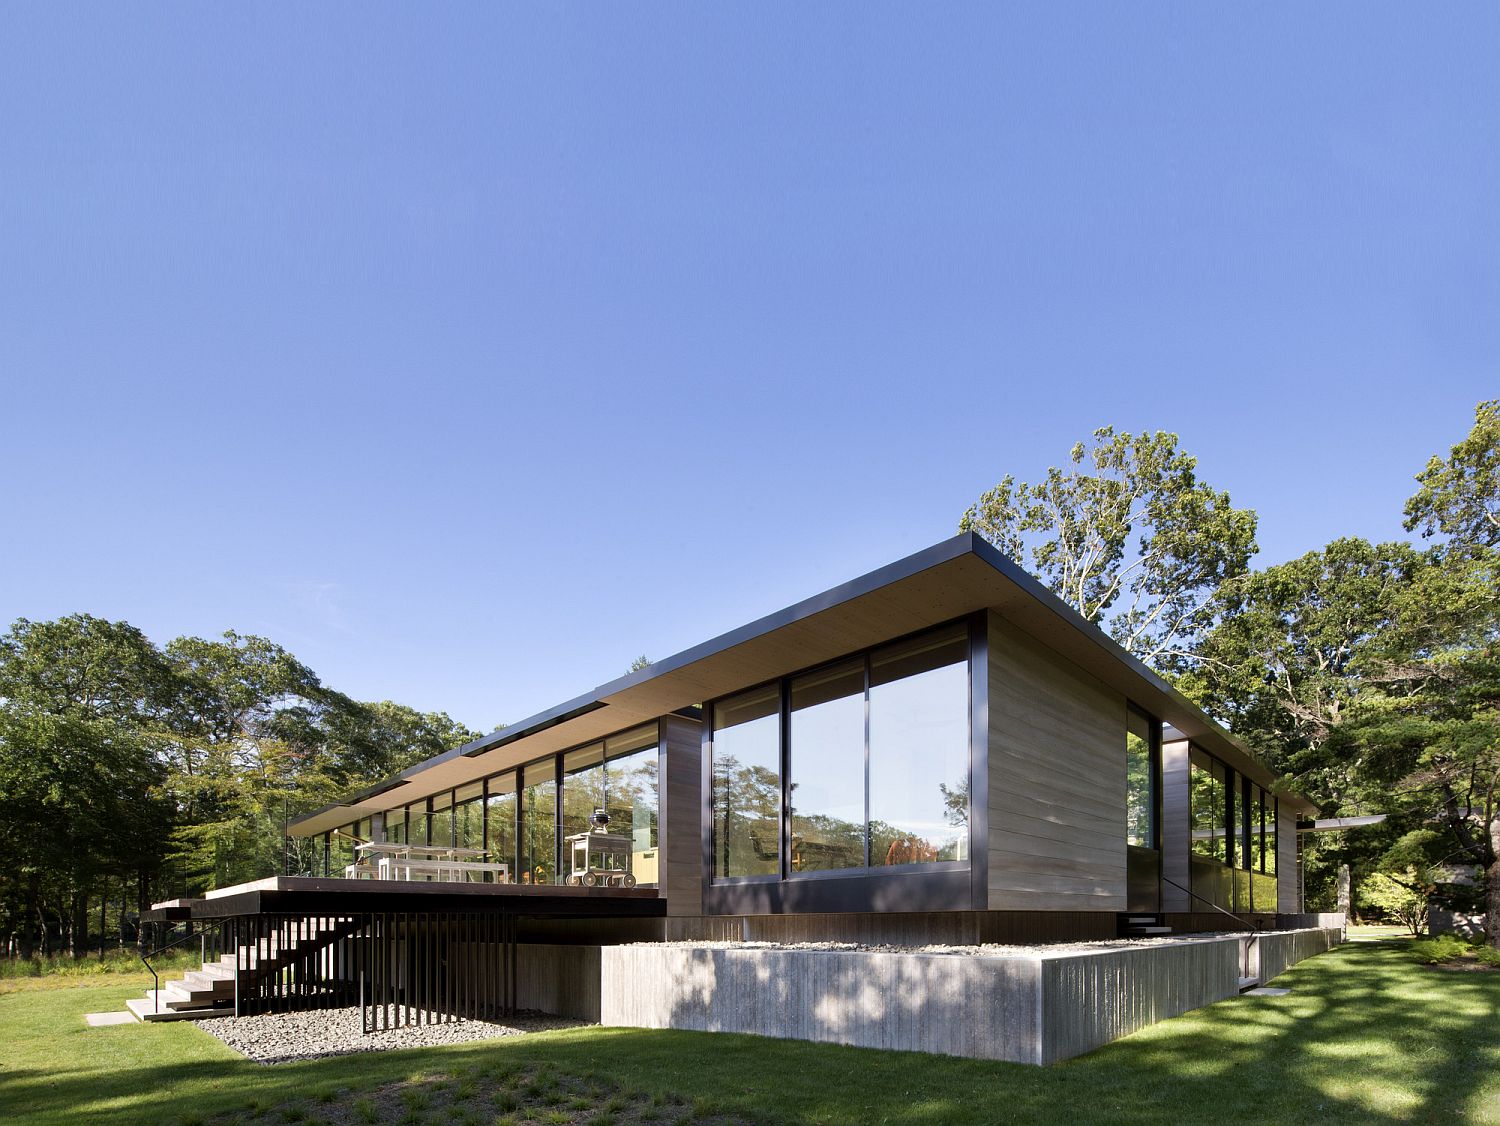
(985, 950)
(280, 1037)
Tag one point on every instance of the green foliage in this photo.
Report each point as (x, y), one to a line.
(1459, 496)
(1449, 949)
(171, 769)
(1128, 536)
(1399, 896)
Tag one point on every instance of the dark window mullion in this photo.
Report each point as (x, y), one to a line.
(867, 761)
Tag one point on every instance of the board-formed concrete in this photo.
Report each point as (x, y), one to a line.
(1025, 1007)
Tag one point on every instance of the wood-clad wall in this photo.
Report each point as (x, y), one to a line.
(1288, 883)
(682, 814)
(1056, 781)
(1176, 826)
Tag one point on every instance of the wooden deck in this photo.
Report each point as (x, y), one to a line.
(318, 896)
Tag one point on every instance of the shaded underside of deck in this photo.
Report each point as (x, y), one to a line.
(301, 895)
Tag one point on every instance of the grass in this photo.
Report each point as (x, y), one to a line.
(1367, 1035)
(93, 967)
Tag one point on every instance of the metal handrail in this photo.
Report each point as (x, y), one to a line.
(201, 935)
(1253, 929)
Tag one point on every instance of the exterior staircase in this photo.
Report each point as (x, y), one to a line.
(1142, 924)
(210, 991)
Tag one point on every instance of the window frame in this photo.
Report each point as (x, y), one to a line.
(974, 636)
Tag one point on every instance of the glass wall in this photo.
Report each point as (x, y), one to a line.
(1271, 809)
(395, 826)
(632, 798)
(440, 821)
(468, 817)
(877, 762)
(1140, 782)
(746, 784)
(617, 777)
(826, 792)
(538, 859)
(919, 750)
(1210, 803)
(416, 823)
(501, 820)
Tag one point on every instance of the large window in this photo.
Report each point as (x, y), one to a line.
(631, 797)
(877, 764)
(827, 793)
(919, 750)
(539, 824)
(1210, 797)
(1140, 782)
(1270, 815)
(747, 784)
(440, 822)
(500, 820)
(468, 816)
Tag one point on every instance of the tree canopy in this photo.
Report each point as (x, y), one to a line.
(1128, 536)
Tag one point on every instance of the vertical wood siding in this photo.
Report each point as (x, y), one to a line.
(1056, 781)
(682, 814)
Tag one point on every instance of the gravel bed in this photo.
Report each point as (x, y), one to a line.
(281, 1037)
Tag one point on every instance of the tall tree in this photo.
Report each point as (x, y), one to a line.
(1291, 654)
(1129, 537)
(1431, 716)
(81, 708)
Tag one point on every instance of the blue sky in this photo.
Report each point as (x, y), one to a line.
(471, 350)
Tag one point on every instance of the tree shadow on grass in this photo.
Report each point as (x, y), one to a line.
(1364, 1036)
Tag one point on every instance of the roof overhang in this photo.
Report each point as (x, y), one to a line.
(949, 580)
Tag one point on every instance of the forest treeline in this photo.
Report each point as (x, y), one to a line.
(131, 772)
(1367, 675)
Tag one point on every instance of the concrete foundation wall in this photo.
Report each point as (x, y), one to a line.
(559, 979)
(1027, 1009)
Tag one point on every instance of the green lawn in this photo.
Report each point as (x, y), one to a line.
(1366, 1035)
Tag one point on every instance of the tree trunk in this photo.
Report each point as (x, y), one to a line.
(1345, 897)
(79, 927)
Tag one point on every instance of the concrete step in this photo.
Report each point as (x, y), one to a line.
(1141, 932)
(201, 981)
(1248, 983)
(143, 1009)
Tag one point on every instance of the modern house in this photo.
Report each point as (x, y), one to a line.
(940, 751)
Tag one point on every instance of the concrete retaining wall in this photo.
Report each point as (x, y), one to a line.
(559, 979)
(1030, 1008)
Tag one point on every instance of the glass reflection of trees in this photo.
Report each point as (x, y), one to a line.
(1140, 796)
(878, 762)
(747, 784)
(620, 776)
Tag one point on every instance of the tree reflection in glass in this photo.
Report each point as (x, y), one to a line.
(919, 750)
(827, 769)
(747, 784)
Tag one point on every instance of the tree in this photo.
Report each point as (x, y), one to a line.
(1291, 654)
(81, 782)
(1459, 496)
(1129, 537)
(1430, 719)
(640, 663)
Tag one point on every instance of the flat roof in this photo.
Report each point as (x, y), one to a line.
(949, 580)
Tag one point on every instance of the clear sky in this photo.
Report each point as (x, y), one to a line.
(471, 350)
